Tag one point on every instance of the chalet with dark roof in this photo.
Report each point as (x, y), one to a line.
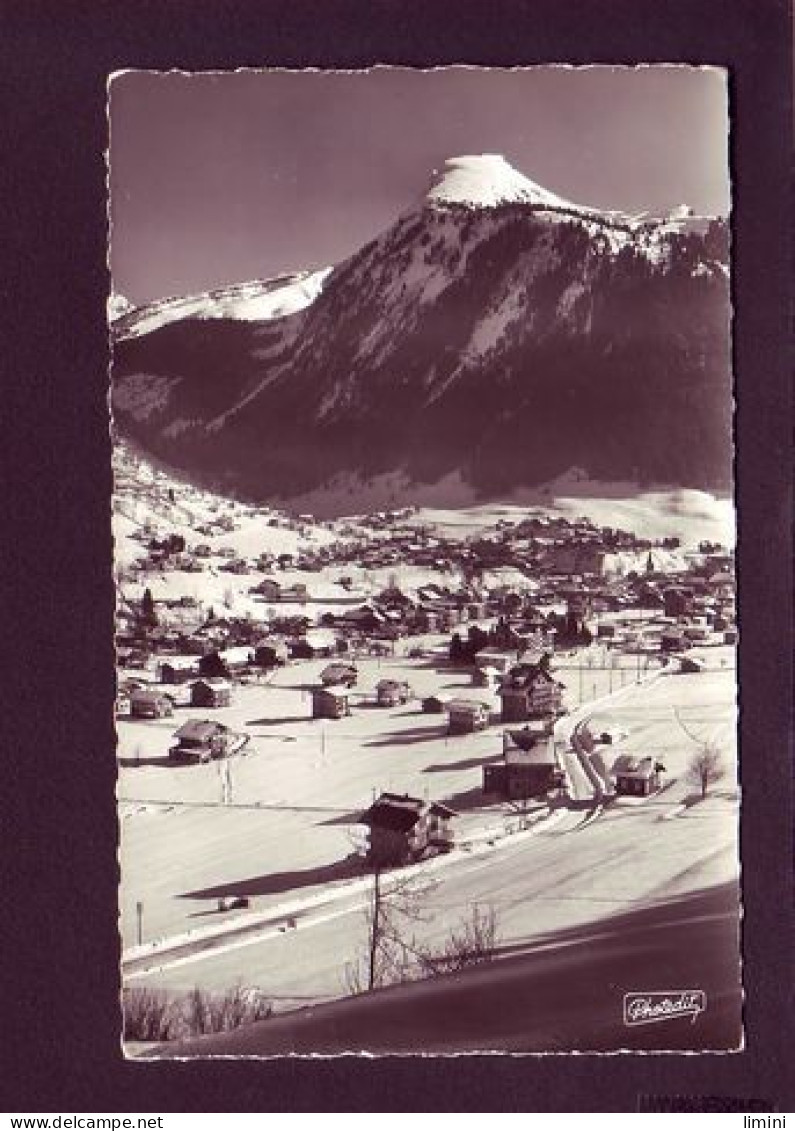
(392, 692)
(226, 663)
(199, 740)
(404, 828)
(179, 669)
(330, 702)
(529, 691)
(339, 674)
(467, 715)
(212, 691)
(150, 703)
(270, 653)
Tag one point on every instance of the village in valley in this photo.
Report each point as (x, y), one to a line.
(441, 697)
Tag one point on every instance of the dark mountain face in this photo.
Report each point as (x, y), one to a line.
(506, 343)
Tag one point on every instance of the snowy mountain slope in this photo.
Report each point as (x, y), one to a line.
(495, 333)
(255, 301)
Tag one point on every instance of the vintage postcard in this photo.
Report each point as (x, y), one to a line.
(424, 531)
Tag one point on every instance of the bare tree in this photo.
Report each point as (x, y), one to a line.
(391, 947)
(393, 954)
(706, 767)
(473, 942)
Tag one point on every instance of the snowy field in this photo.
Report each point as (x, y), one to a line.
(692, 516)
(282, 829)
(288, 840)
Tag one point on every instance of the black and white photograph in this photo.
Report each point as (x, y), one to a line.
(421, 403)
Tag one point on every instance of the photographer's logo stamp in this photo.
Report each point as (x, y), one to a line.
(644, 1007)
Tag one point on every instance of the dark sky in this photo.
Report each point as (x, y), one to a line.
(220, 178)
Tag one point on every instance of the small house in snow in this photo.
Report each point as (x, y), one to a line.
(270, 589)
(211, 691)
(673, 640)
(529, 691)
(330, 703)
(404, 828)
(270, 653)
(339, 674)
(500, 659)
(200, 740)
(433, 705)
(226, 663)
(315, 644)
(179, 669)
(236, 565)
(392, 692)
(529, 766)
(150, 703)
(466, 716)
(636, 777)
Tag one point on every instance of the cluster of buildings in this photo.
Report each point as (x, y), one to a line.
(504, 602)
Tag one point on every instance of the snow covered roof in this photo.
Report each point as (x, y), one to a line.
(238, 655)
(149, 694)
(199, 730)
(320, 638)
(338, 669)
(332, 691)
(525, 675)
(628, 766)
(466, 706)
(540, 754)
(528, 737)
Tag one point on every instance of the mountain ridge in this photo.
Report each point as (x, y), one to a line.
(501, 339)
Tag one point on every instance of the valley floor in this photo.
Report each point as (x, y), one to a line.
(288, 839)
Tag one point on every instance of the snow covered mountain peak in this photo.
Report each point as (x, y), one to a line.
(485, 180)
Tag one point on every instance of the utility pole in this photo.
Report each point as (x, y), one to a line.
(139, 918)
